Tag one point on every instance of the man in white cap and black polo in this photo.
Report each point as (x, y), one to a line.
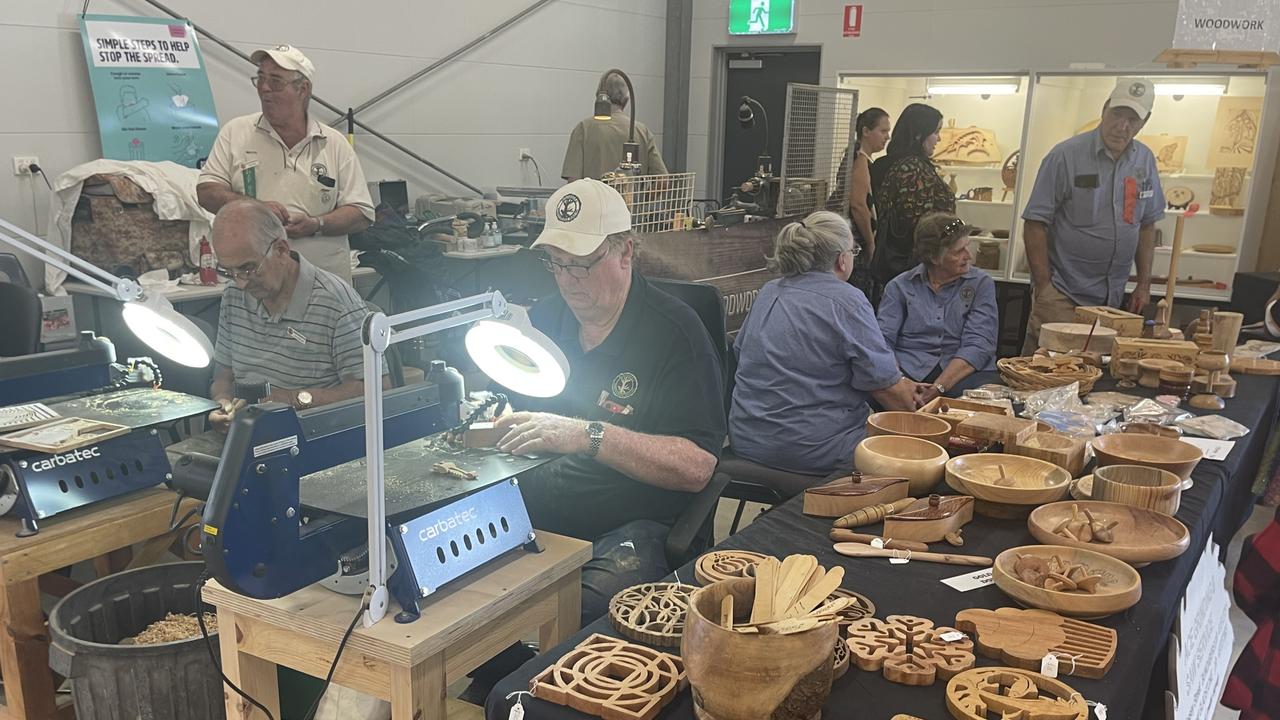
(1092, 214)
(304, 170)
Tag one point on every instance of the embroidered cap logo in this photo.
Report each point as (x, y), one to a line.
(1137, 90)
(568, 208)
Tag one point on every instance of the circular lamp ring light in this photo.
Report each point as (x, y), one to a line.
(521, 359)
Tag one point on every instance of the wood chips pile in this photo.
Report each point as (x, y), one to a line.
(172, 628)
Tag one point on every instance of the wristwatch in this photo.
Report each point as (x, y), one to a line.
(303, 400)
(942, 389)
(320, 220)
(595, 436)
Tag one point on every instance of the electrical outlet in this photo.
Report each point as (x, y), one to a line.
(22, 165)
(524, 153)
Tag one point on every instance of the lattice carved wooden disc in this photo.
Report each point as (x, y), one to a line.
(840, 660)
(652, 613)
(725, 564)
(908, 649)
(987, 692)
(612, 679)
(861, 608)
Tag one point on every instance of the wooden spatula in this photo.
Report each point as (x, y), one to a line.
(766, 585)
(817, 594)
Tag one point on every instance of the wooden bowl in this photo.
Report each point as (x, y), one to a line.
(1141, 536)
(1120, 589)
(910, 424)
(1139, 486)
(1164, 453)
(921, 462)
(1026, 481)
(736, 676)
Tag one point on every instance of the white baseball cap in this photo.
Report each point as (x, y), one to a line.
(1135, 93)
(581, 215)
(287, 57)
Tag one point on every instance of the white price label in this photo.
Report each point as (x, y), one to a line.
(952, 636)
(1049, 665)
(970, 581)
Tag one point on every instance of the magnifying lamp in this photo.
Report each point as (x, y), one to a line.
(502, 343)
(747, 108)
(604, 111)
(150, 317)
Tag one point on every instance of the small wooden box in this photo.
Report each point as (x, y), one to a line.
(962, 408)
(1126, 324)
(482, 435)
(997, 428)
(1143, 348)
(1062, 450)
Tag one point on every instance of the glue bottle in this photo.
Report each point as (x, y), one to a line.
(453, 388)
(207, 274)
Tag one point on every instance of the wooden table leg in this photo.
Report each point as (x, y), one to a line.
(568, 613)
(24, 652)
(255, 676)
(417, 693)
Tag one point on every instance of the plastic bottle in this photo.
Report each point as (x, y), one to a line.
(208, 276)
(453, 388)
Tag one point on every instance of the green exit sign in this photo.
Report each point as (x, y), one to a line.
(762, 17)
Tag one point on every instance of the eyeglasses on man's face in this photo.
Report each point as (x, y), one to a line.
(573, 270)
(273, 83)
(244, 272)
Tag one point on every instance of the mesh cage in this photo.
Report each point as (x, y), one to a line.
(817, 141)
(658, 203)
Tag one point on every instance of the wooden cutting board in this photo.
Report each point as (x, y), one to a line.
(1022, 638)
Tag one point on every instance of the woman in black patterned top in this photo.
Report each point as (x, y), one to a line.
(871, 134)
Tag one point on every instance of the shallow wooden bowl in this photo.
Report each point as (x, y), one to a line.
(1142, 536)
(1120, 589)
(921, 462)
(909, 424)
(1168, 454)
(1145, 487)
(1030, 481)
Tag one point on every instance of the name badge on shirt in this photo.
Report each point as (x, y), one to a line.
(616, 408)
(297, 336)
(1086, 182)
(1146, 191)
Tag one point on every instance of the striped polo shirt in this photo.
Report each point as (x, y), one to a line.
(314, 343)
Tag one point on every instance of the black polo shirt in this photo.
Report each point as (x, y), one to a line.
(656, 373)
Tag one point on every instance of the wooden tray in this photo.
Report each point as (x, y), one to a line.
(62, 435)
(1139, 486)
(652, 613)
(612, 679)
(920, 461)
(1022, 638)
(930, 519)
(720, 565)
(955, 410)
(844, 495)
(1119, 590)
(997, 428)
(1140, 537)
(1018, 694)
(1025, 481)
(1053, 447)
(1164, 453)
(908, 649)
(909, 424)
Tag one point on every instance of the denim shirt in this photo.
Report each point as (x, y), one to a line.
(928, 329)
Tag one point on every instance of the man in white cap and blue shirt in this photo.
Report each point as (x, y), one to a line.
(1092, 214)
(304, 170)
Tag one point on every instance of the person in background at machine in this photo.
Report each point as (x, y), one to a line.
(906, 186)
(304, 170)
(871, 134)
(1092, 214)
(595, 146)
(283, 320)
(810, 355)
(940, 316)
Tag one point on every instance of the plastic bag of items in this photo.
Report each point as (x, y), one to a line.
(1152, 411)
(1061, 408)
(1214, 426)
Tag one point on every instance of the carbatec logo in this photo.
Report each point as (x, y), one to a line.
(67, 458)
(459, 519)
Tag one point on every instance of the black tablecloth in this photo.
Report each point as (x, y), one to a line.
(1217, 503)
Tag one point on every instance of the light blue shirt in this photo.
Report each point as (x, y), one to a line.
(1080, 195)
(809, 354)
(927, 329)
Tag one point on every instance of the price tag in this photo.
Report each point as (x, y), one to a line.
(1100, 711)
(1049, 665)
(900, 560)
(517, 712)
(952, 636)
(970, 581)
(877, 543)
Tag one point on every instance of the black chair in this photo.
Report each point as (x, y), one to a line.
(11, 270)
(20, 321)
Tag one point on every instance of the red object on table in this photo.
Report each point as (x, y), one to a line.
(208, 276)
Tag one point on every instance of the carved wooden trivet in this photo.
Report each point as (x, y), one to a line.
(725, 564)
(987, 692)
(840, 660)
(652, 613)
(612, 679)
(861, 608)
(908, 649)
(1022, 638)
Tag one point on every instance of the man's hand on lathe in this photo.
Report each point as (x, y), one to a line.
(533, 433)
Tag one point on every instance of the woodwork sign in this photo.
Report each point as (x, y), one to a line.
(1227, 25)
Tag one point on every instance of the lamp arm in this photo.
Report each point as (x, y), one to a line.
(631, 135)
(764, 115)
(79, 268)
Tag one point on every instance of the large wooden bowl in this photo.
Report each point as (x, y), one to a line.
(1145, 487)
(1026, 481)
(736, 676)
(1120, 589)
(910, 424)
(1141, 536)
(1165, 453)
(921, 462)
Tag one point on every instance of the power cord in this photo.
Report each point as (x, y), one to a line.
(536, 169)
(37, 170)
(328, 678)
(204, 632)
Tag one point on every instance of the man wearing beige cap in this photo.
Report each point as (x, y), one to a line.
(303, 170)
(1092, 214)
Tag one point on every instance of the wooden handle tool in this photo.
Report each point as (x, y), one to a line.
(873, 514)
(858, 550)
(837, 535)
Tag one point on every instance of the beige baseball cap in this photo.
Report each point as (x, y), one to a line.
(1135, 93)
(581, 215)
(287, 57)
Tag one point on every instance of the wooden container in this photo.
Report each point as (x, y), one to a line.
(1024, 480)
(956, 410)
(998, 428)
(1139, 348)
(844, 495)
(920, 461)
(930, 519)
(1149, 370)
(909, 424)
(1140, 536)
(1120, 588)
(1126, 324)
(1226, 332)
(1139, 486)
(1066, 337)
(1164, 453)
(739, 676)
(1062, 450)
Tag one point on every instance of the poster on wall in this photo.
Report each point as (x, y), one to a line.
(1235, 132)
(150, 89)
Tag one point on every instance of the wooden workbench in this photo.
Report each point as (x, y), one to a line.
(75, 536)
(410, 665)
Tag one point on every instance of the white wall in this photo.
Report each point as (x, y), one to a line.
(526, 87)
(951, 35)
